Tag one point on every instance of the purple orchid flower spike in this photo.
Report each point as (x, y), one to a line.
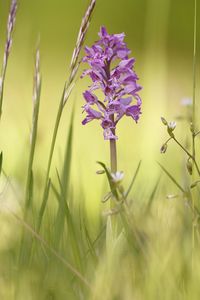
(91, 115)
(118, 83)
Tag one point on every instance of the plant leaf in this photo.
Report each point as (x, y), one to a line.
(172, 178)
(133, 180)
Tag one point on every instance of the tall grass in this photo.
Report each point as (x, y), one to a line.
(55, 253)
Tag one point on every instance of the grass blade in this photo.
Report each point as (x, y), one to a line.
(10, 28)
(133, 180)
(64, 185)
(1, 161)
(43, 206)
(172, 178)
(90, 243)
(109, 177)
(72, 269)
(36, 107)
(71, 229)
(63, 209)
(152, 196)
(68, 87)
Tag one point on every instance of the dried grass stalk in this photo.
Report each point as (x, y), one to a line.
(8, 45)
(74, 65)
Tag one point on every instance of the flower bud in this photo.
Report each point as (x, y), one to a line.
(106, 197)
(189, 166)
(164, 121)
(186, 102)
(192, 127)
(117, 177)
(171, 125)
(194, 184)
(170, 128)
(99, 172)
(163, 149)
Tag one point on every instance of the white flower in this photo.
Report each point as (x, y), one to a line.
(186, 102)
(172, 125)
(118, 176)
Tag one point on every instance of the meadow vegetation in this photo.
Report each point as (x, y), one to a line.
(142, 239)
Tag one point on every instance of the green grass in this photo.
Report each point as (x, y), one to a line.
(52, 246)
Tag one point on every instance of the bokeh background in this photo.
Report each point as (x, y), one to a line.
(160, 35)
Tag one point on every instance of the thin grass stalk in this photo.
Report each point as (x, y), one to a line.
(132, 181)
(63, 209)
(79, 42)
(194, 210)
(189, 154)
(1, 162)
(66, 93)
(45, 193)
(8, 45)
(194, 116)
(90, 243)
(194, 71)
(33, 138)
(64, 187)
(52, 250)
(71, 229)
(172, 179)
(36, 106)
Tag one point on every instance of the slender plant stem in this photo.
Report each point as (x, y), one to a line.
(113, 165)
(74, 66)
(52, 250)
(113, 156)
(194, 117)
(113, 146)
(168, 140)
(189, 154)
(47, 179)
(55, 132)
(53, 142)
(197, 133)
(29, 181)
(10, 28)
(194, 67)
(2, 87)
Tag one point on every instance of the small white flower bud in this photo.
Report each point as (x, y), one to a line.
(118, 176)
(163, 149)
(189, 166)
(171, 125)
(163, 121)
(99, 172)
(186, 102)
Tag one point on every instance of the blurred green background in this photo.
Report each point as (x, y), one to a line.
(160, 35)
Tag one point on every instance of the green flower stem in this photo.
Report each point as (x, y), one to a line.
(113, 165)
(193, 115)
(113, 156)
(189, 154)
(194, 71)
(195, 134)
